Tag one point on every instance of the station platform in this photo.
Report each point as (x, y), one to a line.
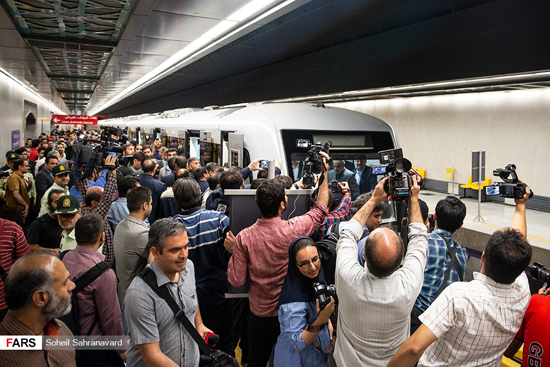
(475, 234)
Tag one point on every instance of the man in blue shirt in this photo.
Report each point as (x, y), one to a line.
(210, 251)
(149, 167)
(449, 216)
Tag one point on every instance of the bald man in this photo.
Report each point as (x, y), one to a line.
(33, 309)
(376, 300)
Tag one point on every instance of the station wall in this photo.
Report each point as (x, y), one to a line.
(16, 105)
(438, 132)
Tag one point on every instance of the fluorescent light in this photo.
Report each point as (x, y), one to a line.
(21, 84)
(249, 9)
(209, 39)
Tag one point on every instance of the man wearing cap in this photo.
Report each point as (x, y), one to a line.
(60, 182)
(17, 194)
(44, 233)
(68, 213)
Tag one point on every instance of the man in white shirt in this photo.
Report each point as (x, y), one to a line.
(376, 300)
(472, 324)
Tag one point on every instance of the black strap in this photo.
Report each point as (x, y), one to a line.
(90, 276)
(452, 263)
(3, 274)
(150, 278)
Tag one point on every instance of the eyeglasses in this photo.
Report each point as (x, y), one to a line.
(307, 264)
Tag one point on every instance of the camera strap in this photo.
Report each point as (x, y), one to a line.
(453, 263)
(150, 278)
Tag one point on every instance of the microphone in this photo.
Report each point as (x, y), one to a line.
(212, 339)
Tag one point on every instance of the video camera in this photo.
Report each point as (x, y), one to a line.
(511, 187)
(108, 145)
(400, 172)
(313, 163)
(540, 272)
(323, 294)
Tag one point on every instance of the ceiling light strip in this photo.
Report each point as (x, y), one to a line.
(21, 84)
(209, 39)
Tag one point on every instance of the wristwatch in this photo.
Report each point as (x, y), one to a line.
(314, 329)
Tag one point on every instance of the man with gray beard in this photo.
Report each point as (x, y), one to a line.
(33, 309)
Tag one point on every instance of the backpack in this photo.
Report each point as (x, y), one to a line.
(72, 319)
(327, 251)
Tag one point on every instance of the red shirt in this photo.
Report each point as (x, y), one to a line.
(534, 332)
(33, 155)
(13, 246)
(261, 252)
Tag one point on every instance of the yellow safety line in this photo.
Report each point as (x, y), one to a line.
(528, 236)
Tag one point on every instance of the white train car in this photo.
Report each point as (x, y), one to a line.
(269, 130)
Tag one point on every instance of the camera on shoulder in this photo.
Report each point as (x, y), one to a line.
(313, 163)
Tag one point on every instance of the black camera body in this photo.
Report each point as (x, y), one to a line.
(400, 182)
(323, 293)
(334, 187)
(511, 187)
(540, 272)
(313, 163)
(102, 148)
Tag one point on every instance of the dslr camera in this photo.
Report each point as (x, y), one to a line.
(540, 272)
(400, 173)
(511, 187)
(323, 293)
(313, 163)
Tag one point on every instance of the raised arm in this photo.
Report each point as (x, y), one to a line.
(519, 221)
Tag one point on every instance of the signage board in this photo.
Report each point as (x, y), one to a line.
(74, 119)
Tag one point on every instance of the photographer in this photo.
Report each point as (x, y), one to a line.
(97, 200)
(385, 289)
(477, 320)
(340, 173)
(270, 235)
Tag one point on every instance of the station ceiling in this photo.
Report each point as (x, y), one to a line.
(86, 52)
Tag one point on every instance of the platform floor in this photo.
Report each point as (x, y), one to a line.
(496, 216)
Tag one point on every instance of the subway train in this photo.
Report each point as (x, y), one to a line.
(268, 130)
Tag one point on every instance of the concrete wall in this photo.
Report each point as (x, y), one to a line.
(16, 103)
(437, 132)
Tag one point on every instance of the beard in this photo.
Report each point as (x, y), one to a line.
(57, 307)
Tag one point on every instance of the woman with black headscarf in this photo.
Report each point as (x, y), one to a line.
(305, 330)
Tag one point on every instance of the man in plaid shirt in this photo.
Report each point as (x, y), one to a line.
(472, 323)
(449, 217)
(98, 200)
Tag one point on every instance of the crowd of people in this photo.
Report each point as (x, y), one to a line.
(150, 213)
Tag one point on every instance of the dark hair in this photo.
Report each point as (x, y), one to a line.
(48, 150)
(20, 150)
(33, 278)
(299, 245)
(170, 162)
(50, 194)
(187, 193)
(35, 143)
(507, 254)
(286, 180)
(170, 150)
(378, 268)
(125, 184)
(184, 173)
(90, 196)
(211, 166)
(256, 183)
(231, 179)
(199, 173)
(332, 203)
(162, 228)
(126, 146)
(361, 201)
(88, 228)
(269, 196)
(148, 165)
(139, 156)
(450, 213)
(180, 162)
(18, 163)
(136, 197)
(191, 160)
(214, 181)
(40, 149)
(423, 209)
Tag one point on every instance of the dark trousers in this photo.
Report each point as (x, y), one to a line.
(262, 333)
(220, 321)
(415, 322)
(241, 311)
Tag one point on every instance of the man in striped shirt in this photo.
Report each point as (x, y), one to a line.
(33, 309)
(210, 252)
